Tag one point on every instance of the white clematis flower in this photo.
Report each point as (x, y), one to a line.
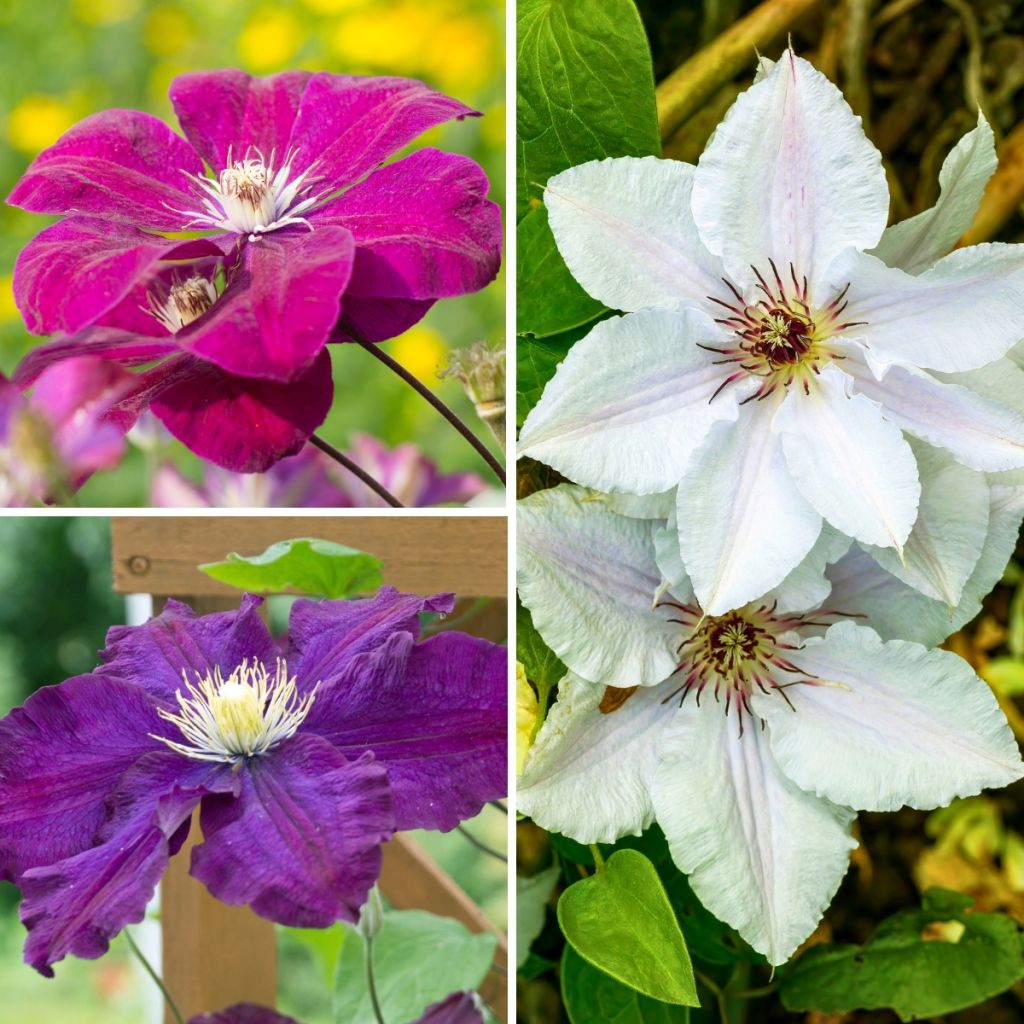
(753, 737)
(774, 355)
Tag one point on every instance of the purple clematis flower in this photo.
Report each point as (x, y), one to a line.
(303, 758)
(305, 225)
(52, 441)
(312, 480)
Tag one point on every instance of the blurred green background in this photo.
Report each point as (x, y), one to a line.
(56, 575)
(65, 59)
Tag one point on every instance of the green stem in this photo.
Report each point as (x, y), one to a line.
(481, 845)
(371, 982)
(712, 986)
(148, 967)
(598, 858)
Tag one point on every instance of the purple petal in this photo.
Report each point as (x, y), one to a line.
(348, 124)
(230, 111)
(301, 844)
(434, 714)
(154, 655)
(244, 425)
(277, 313)
(458, 1008)
(423, 226)
(377, 318)
(119, 165)
(246, 1013)
(77, 269)
(61, 755)
(324, 636)
(77, 905)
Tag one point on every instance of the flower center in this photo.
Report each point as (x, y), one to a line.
(186, 301)
(779, 337)
(242, 716)
(250, 197)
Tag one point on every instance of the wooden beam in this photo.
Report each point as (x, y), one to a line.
(423, 554)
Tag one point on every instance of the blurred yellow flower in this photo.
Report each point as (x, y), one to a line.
(526, 717)
(332, 6)
(422, 351)
(37, 121)
(269, 40)
(168, 31)
(8, 310)
(105, 12)
(387, 39)
(462, 54)
(492, 126)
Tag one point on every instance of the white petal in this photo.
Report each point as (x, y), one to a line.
(669, 558)
(964, 312)
(625, 230)
(761, 854)
(743, 525)
(807, 586)
(630, 402)
(895, 611)
(588, 774)
(588, 577)
(889, 724)
(965, 413)
(852, 465)
(915, 244)
(639, 506)
(789, 175)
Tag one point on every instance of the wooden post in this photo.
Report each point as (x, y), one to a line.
(215, 955)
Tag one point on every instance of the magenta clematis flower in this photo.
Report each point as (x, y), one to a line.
(312, 480)
(303, 758)
(458, 1008)
(305, 226)
(52, 441)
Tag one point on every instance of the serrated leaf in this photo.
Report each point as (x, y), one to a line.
(921, 963)
(620, 921)
(306, 564)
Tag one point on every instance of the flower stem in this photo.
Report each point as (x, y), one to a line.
(371, 983)
(718, 992)
(343, 460)
(478, 446)
(482, 846)
(148, 967)
(598, 858)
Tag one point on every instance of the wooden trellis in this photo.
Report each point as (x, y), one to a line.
(216, 955)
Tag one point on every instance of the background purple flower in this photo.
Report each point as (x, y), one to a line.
(306, 226)
(300, 773)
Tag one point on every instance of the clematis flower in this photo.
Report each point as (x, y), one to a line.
(305, 225)
(458, 1008)
(303, 759)
(752, 737)
(52, 441)
(772, 363)
(312, 480)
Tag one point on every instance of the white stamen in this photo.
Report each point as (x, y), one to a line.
(187, 301)
(244, 715)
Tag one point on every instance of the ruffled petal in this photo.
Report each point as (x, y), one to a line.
(915, 244)
(886, 724)
(302, 842)
(974, 293)
(119, 165)
(61, 756)
(153, 656)
(850, 463)
(625, 230)
(630, 402)
(807, 586)
(242, 424)
(789, 175)
(761, 854)
(276, 315)
(228, 111)
(743, 524)
(433, 714)
(588, 773)
(423, 226)
(589, 578)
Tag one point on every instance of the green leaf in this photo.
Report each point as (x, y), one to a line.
(418, 959)
(620, 920)
(585, 88)
(325, 945)
(590, 995)
(306, 564)
(532, 896)
(921, 963)
(542, 666)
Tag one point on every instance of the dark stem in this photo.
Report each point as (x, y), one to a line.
(500, 806)
(148, 967)
(343, 460)
(371, 982)
(482, 846)
(479, 447)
